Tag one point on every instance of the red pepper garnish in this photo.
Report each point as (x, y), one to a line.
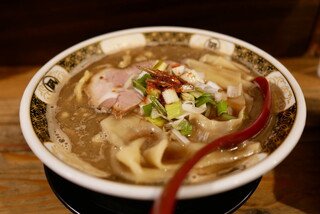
(165, 80)
(151, 85)
(165, 204)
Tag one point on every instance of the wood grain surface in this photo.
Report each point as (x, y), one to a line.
(292, 187)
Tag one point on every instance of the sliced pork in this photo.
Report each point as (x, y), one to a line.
(110, 90)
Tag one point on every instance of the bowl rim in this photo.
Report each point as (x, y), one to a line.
(150, 192)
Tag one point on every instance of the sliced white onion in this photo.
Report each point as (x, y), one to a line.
(234, 91)
(180, 137)
(176, 123)
(183, 116)
(141, 74)
(154, 113)
(178, 70)
(191, 76)
(213, 85)
(220, 96)
(209, 87)
(189, 106)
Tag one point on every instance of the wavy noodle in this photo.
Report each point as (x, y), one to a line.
(222, 156)
(223, 162)
(146, 175)
(130, 156)
(131, 127)
(79, 86)
(135, 150)
(208, 130)
(140, 147)
(140, 158)
(154, 154)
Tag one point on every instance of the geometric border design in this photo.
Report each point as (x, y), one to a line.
(73, 59)
(161, 38)
(282, 127)
(253, 60)
(38, 110)
(284, 120)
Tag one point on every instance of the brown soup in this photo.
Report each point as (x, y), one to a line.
(137, 115)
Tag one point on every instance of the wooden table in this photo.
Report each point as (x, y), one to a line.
(292, 187)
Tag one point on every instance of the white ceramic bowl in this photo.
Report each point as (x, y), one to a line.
(286, 133)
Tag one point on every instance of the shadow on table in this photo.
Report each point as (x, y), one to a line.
(297, 177)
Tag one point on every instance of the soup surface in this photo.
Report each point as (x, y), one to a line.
(136, 116)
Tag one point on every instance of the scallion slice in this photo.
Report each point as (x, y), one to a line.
(174, 110)
(183, 125)
(142, 80)
(157, 121)
(222, 107)
(147, 109)
(187, 96)
(156, 103)
(160, 65)
(204, 99)
(196, 93)
(139, 86)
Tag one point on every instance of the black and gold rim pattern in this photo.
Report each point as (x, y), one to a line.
(253, 60)
(282, 128)
(72, 60)
(284, 121)
(161, 38)
(38, 108)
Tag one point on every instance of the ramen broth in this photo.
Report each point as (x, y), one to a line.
(128, 146)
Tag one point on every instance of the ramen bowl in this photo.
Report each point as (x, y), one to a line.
(288, 104)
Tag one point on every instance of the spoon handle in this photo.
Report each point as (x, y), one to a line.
(165, 204)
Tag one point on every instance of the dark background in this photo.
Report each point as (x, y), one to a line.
(32, 32)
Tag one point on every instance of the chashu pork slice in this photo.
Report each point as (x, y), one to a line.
(110, 90)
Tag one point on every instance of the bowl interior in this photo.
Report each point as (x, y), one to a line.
(288, 102)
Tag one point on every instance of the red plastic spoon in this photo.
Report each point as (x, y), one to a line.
(165, 204)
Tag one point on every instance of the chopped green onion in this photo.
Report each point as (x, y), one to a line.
(139, 86)
(156, 103)
(222, 107)
(206, 95)
(159, 121)
(142, 80)
(204, 99)
(184, 126)
(160, 65)
(196, 94)
(147, 109)
(225, 116)
(174, 110)
(187, 96)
